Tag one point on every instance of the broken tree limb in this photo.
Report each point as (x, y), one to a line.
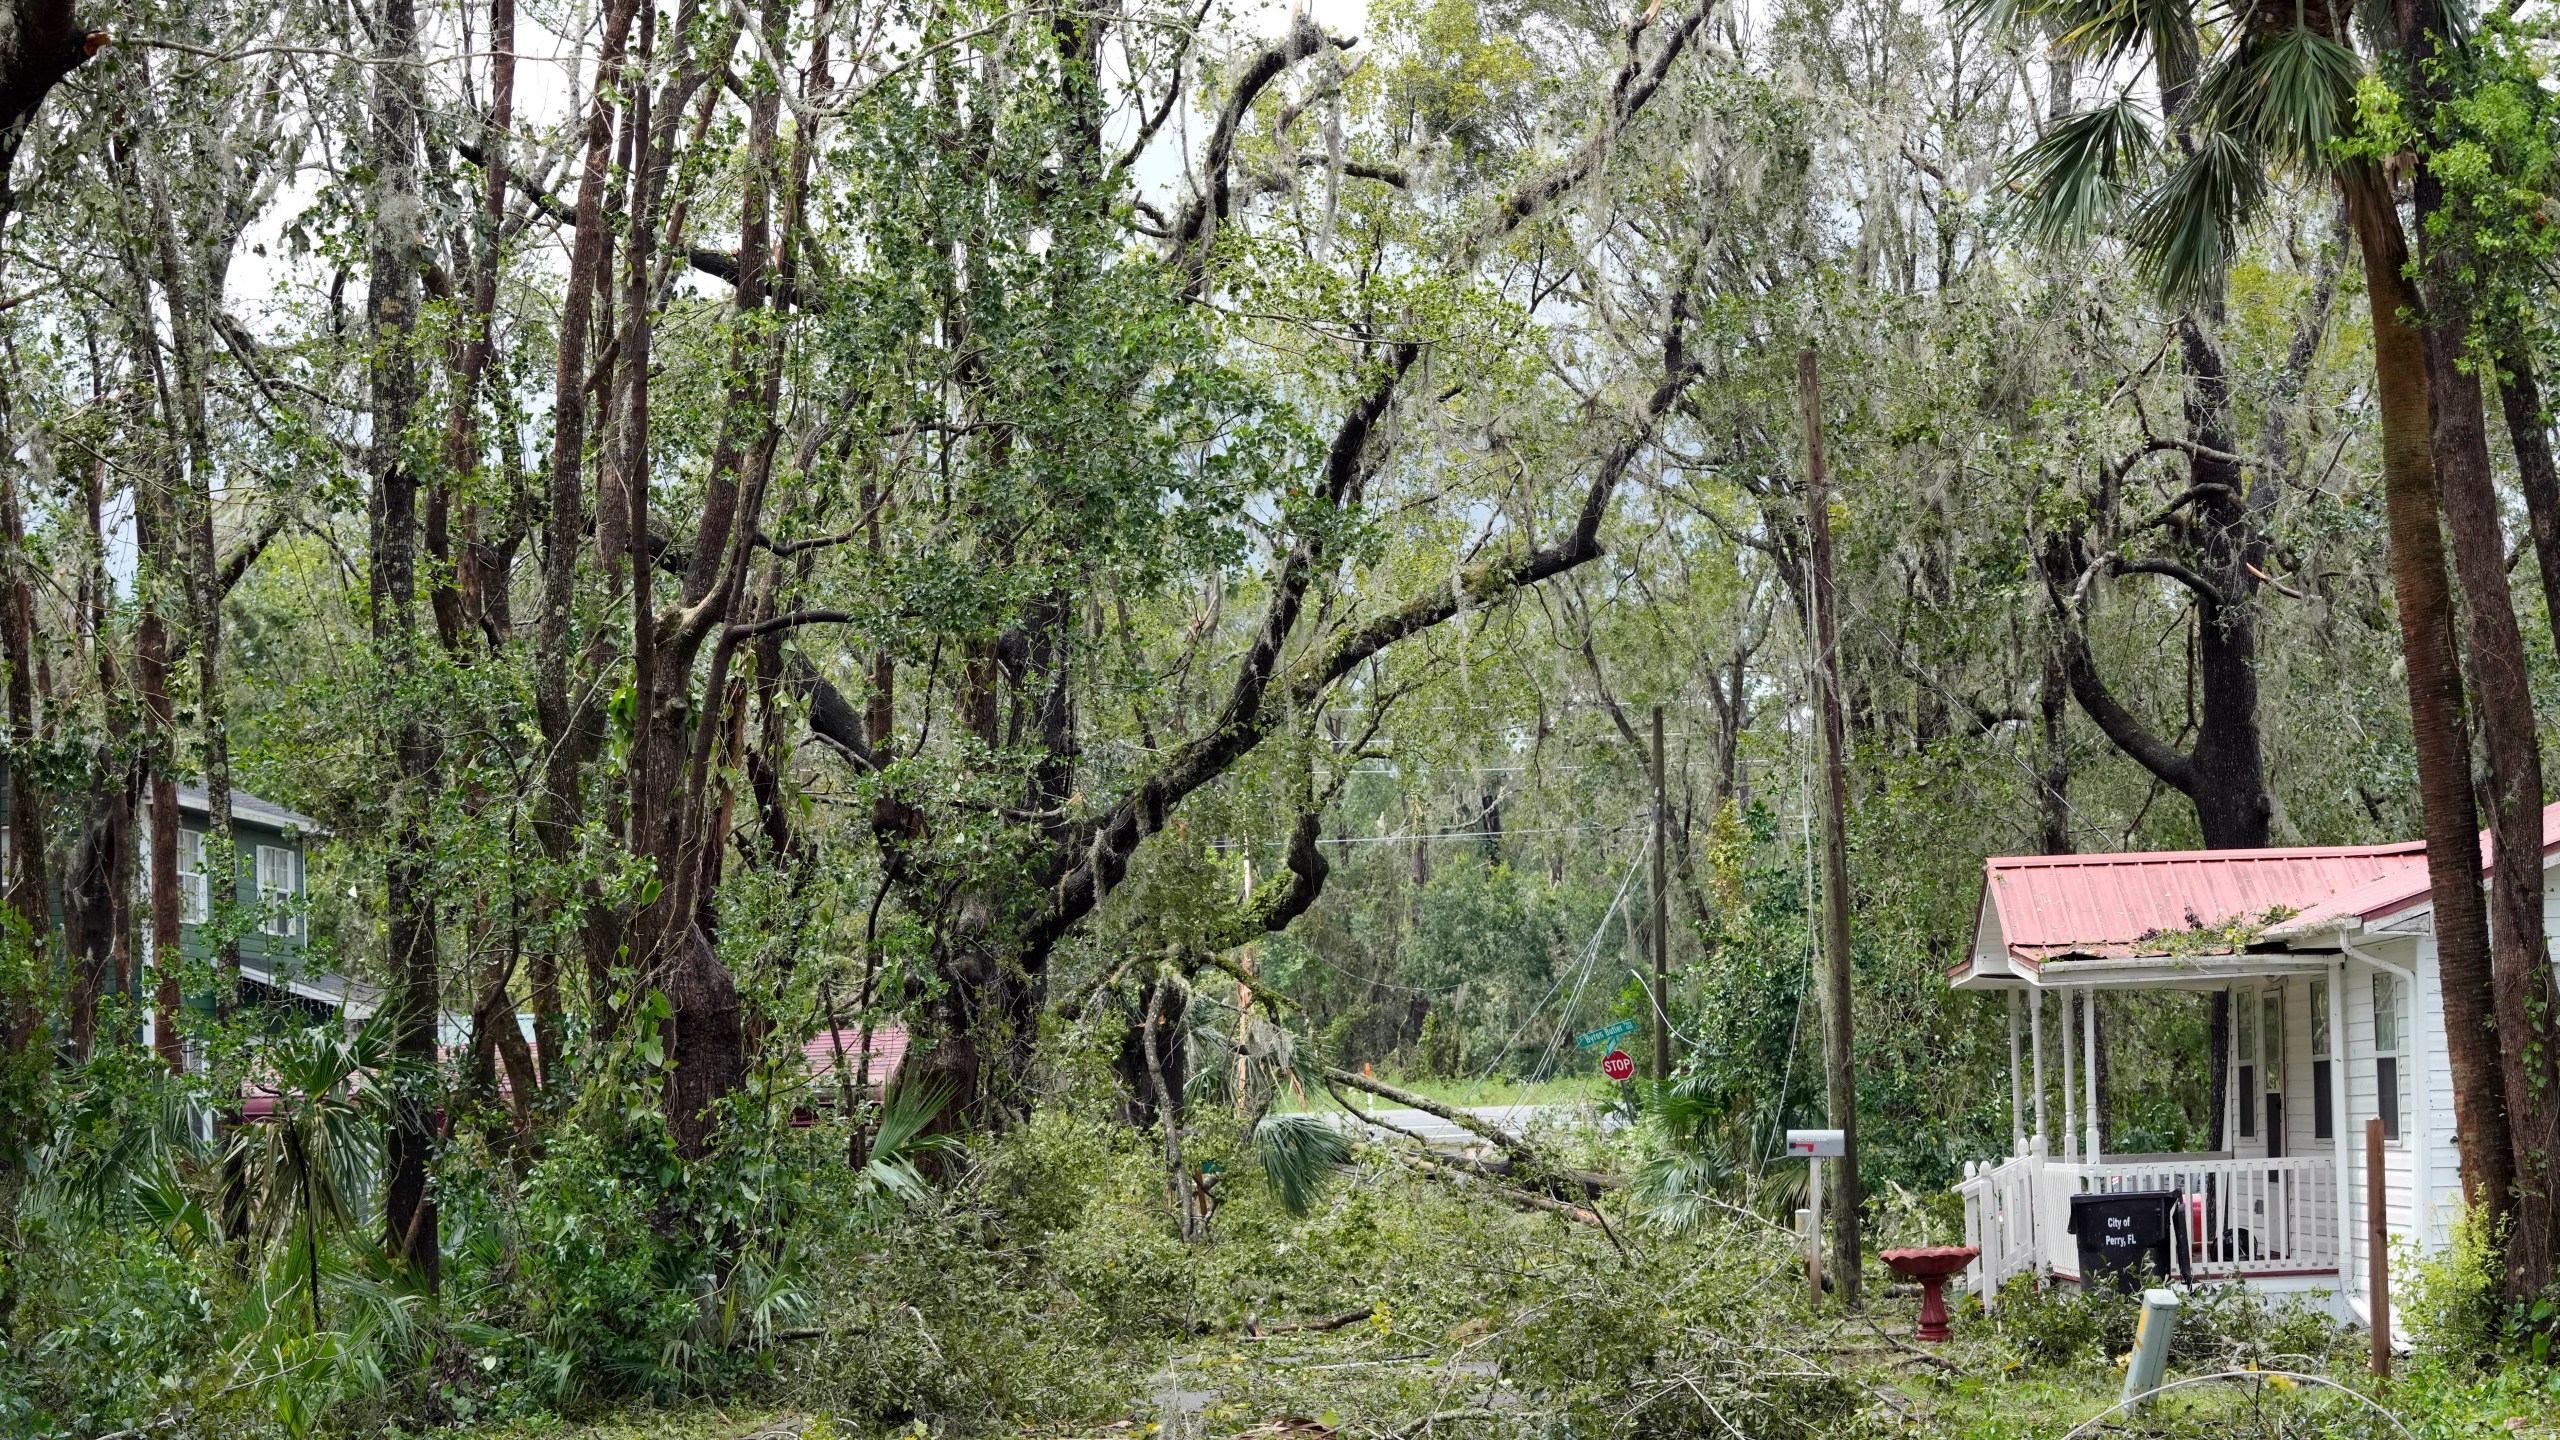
(1254, 1330)
(1431, 1166)
(1518, 1162)
(1506, 1143)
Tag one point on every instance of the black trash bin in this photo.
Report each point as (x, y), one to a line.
(2127, 1236)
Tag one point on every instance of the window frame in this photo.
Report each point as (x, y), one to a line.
(275, 902)
(195, 886)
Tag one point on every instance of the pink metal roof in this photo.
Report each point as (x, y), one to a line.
(2392, 893)
(2107, 905)
(888, 1050)
(2110, 905)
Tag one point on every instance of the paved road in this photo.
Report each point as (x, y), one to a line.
(1444, 1135)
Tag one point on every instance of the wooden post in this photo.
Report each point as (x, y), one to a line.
(1839, 1034)
(2096, 1141)
(1813, 1236)
(2070, 1080)
(2342, 1153)
(2377, 1244)
(2035, 1041)
(1661, 916)
(2017, 1094)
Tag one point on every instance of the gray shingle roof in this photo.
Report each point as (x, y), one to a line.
(245, 806)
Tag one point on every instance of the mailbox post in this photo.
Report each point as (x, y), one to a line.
(1815, 1146)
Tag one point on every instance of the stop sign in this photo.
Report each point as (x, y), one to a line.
(1617, 1066)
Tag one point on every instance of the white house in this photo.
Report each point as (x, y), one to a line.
(2328, 953)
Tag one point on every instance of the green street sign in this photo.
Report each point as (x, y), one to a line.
(1604, 1034)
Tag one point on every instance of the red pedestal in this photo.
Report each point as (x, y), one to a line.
(1931, 1266)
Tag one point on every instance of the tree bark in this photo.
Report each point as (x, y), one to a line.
(2528, 432)
(159, 759)
(29, 892)
(2522, 993)
(2425, 598)
(41, 42)
(391, 316)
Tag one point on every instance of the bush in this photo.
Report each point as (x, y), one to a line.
(2450, 1301)
(2049, 1325)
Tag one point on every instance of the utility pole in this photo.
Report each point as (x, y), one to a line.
(1661, 916)
(1838, 1035)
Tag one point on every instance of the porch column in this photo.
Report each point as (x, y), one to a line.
(2035, 1037)
(2017, 1102)
(2339, 1127)
(2089, 1037)
(2070, 1101)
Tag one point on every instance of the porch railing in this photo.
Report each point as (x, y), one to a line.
(2000, 1216)
(2243, 1217)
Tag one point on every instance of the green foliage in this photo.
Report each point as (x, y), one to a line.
(1298, 1153)
(2453, 1302)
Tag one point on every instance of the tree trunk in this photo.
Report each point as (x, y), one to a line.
(569, 720)
(29, 891)
(2519, 964)
(391, 316)
(159, 747)
(2528, 430)
(41, 42)
(2425, 599)
(2053, 772)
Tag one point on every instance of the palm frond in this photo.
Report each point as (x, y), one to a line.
(2110, 31)
(1298, 1153)
(2187, 228)
(2287, 93)
(2078, 175)
(178, 1213)
(904, 1113)
(1990, 15)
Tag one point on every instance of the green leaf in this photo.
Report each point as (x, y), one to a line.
(1298, 1153)
(2075, 178)
(2187, 228)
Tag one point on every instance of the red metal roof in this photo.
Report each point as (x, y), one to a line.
(2108, 905)
(888, 1050)
(2399, 890)
(2111, 905)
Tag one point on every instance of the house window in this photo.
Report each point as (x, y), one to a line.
(276, 890)
(2324, 1115)
(195, 888)
(2245, 1019)
(2386, 1053)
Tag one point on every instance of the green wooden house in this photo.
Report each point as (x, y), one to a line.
(271, 885)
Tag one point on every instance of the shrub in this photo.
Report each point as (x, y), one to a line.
(2450, 1300)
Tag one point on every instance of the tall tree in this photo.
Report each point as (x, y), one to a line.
(395, 247)
(2520, 966)
(2182, 215)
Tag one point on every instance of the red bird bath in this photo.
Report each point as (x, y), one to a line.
(1931, 1265)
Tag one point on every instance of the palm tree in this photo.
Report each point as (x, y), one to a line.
(2180, 186)
(312, 1166)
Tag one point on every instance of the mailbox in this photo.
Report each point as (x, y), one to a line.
(1816, 1144)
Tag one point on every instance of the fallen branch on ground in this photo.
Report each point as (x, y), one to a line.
(1255, 1331)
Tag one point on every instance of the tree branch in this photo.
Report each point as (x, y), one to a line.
(2211, 598)
(2128, 734)
(1193, 233)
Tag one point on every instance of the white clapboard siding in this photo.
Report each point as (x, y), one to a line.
(2443, 1199)
(2399, 1157)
